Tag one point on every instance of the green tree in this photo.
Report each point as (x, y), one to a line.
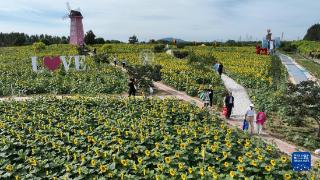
(89, 38)
(133, 39)
(303, 103)
(313, 33)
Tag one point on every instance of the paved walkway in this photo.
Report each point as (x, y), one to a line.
(241, 98)
(296, 72)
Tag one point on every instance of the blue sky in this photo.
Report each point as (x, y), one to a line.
(194, 20)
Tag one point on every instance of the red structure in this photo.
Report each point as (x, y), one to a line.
(263, 51)
(76, 28)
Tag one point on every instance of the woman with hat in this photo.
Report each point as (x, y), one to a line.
(249, 116)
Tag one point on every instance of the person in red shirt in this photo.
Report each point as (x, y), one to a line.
(261, 118)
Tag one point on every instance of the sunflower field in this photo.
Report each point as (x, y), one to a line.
(242, 64)
(16, 74)
(120, 138)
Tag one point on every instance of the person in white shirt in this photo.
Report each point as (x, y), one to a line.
(249, 116)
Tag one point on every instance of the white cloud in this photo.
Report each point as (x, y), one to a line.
(204, 20)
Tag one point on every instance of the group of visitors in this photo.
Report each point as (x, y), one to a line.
(115, 61)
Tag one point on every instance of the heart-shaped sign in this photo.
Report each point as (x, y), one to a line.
(52, 63)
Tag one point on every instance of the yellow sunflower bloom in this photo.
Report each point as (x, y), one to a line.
(190, 170)
(182, 145)
(180, 166)
(283, 159)
(232, 174)
(240, 159)
(254, 163)
(226, 164)
(267, 168)
(9, 167)
(287, 176)
(273, 162)
(172, 172)
(240, 168)
(167, 160)
(183, 176)
(124, 162)
(147, 152)
(103, 168)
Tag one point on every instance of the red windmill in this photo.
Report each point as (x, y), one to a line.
(76, 26)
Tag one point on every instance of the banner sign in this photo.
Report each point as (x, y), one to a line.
(301, 161)
(54, 63)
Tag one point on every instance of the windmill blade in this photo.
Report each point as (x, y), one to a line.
(65, 17)
(68, 6)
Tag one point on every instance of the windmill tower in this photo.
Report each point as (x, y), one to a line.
(76, 26)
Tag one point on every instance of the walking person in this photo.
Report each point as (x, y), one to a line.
(261, 118)
(115, 61)
(249, 116)
(216, 66)
(204, 96)
(124, 62)
(132, 87)
(220, 69)
(229, 102)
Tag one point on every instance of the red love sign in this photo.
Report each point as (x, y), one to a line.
(52, 63)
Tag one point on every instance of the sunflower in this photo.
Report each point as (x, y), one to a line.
(182, 145)
(156, 154)
(180, 166)
(240, 168)
(103, 168)
(240, 159)
(284, 159)
(210, 169)
(190, 170)
(254, 163)
(267, 168)
(201, 172)
(273, 162)
(260, 157)
(124, 162)
(172, 172)
(183, 176)
(216, 138)
(215, 175)
(239, 141)
(249, 154)
(287, 176)
(217, 158)
(176, 154)
(167, 160)
(226, 164)
(147, 152)
(269, 148)
(160, 167)
(93, 162)
(81, 132)
(9, 168)
(232, 174)
(140, 160)
(157, 145)
(225, 154)
(229, 145)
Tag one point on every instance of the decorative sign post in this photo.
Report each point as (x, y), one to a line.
(301, 161)
(54, 63)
